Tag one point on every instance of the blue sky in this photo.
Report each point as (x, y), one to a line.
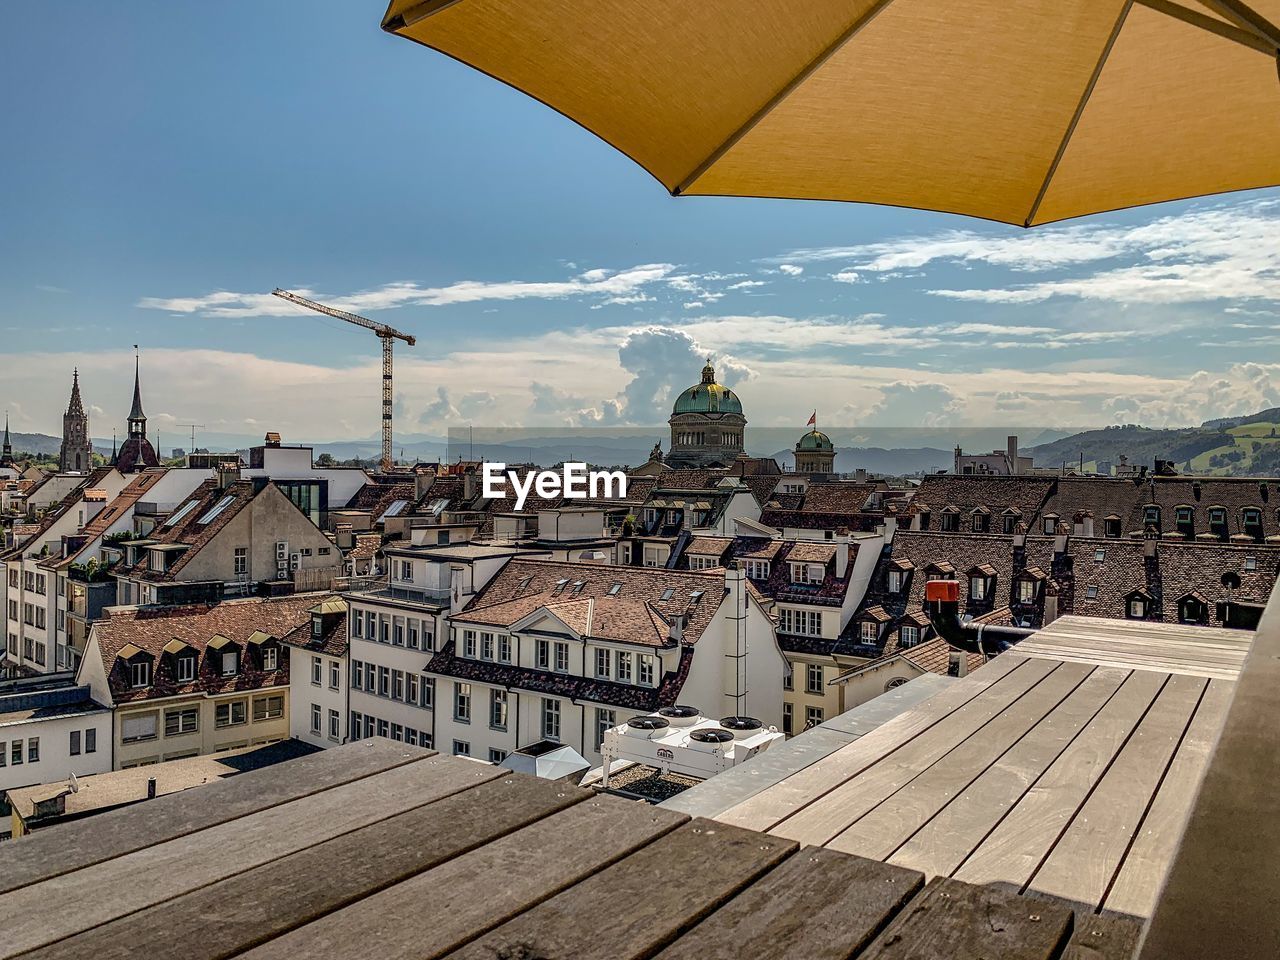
(167, 166)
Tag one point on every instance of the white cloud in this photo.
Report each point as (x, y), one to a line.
(846, 276)
(791, 269)
(593, 283)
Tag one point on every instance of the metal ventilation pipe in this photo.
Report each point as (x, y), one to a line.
(942, 603)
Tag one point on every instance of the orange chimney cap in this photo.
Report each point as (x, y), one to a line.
(946, 591)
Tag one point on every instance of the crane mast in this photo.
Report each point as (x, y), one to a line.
(388, 335)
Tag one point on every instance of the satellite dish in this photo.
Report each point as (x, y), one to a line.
(73, 784)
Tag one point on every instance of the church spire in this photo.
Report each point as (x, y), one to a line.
(6, 451)
(137, 419)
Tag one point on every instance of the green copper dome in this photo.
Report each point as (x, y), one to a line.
(707, 397)
(815, 440)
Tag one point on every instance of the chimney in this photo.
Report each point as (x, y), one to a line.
(1060, 544)
(1150, 544)
(469, 489)
(686, 518)
(957, 664)
(422, 482)
(228, 472)
(675, 633)
(1012, 447)
(151, 788)
(842, 553)
(346, 537)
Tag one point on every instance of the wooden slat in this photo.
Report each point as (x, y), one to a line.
(1103, 938)
(888, 825)
(1084, 861)
(956, 920)
(942, 844)
(716, 795)
(818, 905)
(137, 880)
(257, 905)
(1013, 850)
(768, 807)
(659, 891)
(821, 820)
(1141, 874)
(70, 846)
(442, 909)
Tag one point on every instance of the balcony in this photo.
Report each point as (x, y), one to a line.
(377, 588)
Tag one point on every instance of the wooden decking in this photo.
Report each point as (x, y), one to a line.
(380, 850)
(1050, 776)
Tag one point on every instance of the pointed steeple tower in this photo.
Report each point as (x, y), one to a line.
(6, 451)
(137, 453)
(76, 454)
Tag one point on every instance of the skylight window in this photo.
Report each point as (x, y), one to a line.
(560, 584)
(1091, 593)
(525, 582)
(668, 593)
(577, 586)
(174, 519)
(1251, 563)
(396, 508)
(436, 507)
(1099, 555)
(696, 595)
(613, 590)
(217, 509)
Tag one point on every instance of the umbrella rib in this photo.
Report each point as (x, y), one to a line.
(1075, 117)
(1246, 38)
(805, 72)
(1243, 16)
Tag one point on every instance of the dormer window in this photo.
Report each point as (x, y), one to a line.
(317, 626)
(1137, 605)
(230, 662)
(186, 669)
(868, 631)
(1251, 522)
(895, 581)
(1111, 528)
(980, 520)
(140, 673)
(908, 635)
(1193, 609)
(981, 581)
(950, 521)
(1151, 516)
(1026, 591)
(802, 573)
(1184, 518)
(1218, 522)
(1251, 563)
(1009, 521)
(977, 588)
(270, 658)
(1049, 524)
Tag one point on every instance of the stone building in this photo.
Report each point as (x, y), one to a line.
(815, 453)
(707, 425)
(137, 452)
(75, 456)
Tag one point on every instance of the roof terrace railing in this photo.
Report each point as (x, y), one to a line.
(1222, 894)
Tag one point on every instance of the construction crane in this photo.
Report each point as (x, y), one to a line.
(384, 333)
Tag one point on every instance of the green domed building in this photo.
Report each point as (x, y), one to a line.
(815, 453)
(707, 425)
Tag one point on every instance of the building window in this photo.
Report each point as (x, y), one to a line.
(1192, 610)
(787, 713)
(335, 674)
(469, 644)
(335, 726)
(241, 561)
(357, 722)
(316, 718)
(406, 571)
(397, 685)
(384, 728)
(757, 569)
(602, 663)
(624, 667)
(180, 722)
(139, 673)
(1137, 609)
(1251, 522)
(895, 581)
(270, 658)
(789, 678)
(1050, 525)
(504, 649)
(462, 702)
(550, 719)
(908, 635)
(230, 713)
(1009, 523)
(461, 748)
(412, 634)
(1151, 516)
(1218, 522)
(496, 755)
(357, 623)
(268, 708)
(138, 727)
(980, 522)
(33, 750)
(397, 732)
(1026, 591)
(74, 746)
(562, 658)
(542, 654)
(605, 721)
(1091, 592)
(427, 693)
(186, 668)
(1184, 521)
(644, 664)
(806, 623)
(950, 522)
(486, 646)
(977, 588)
(230, 663)
(498, 709)
(868, 631)
(1251, 563)
(397, 632)
(16, 752)
(813, 678)
(812, 716)
(91, 741)
(384, 681)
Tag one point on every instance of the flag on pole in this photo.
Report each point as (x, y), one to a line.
(813, 420)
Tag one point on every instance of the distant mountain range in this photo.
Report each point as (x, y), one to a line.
(1227, 446)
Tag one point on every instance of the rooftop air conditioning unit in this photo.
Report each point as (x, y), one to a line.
(282, 551)
(678, 739)
(295, 561)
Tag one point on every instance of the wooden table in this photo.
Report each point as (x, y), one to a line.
(380, 850)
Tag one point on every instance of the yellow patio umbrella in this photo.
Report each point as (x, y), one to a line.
(1021, 111)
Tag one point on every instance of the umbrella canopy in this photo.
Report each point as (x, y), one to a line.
(1023, 112)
